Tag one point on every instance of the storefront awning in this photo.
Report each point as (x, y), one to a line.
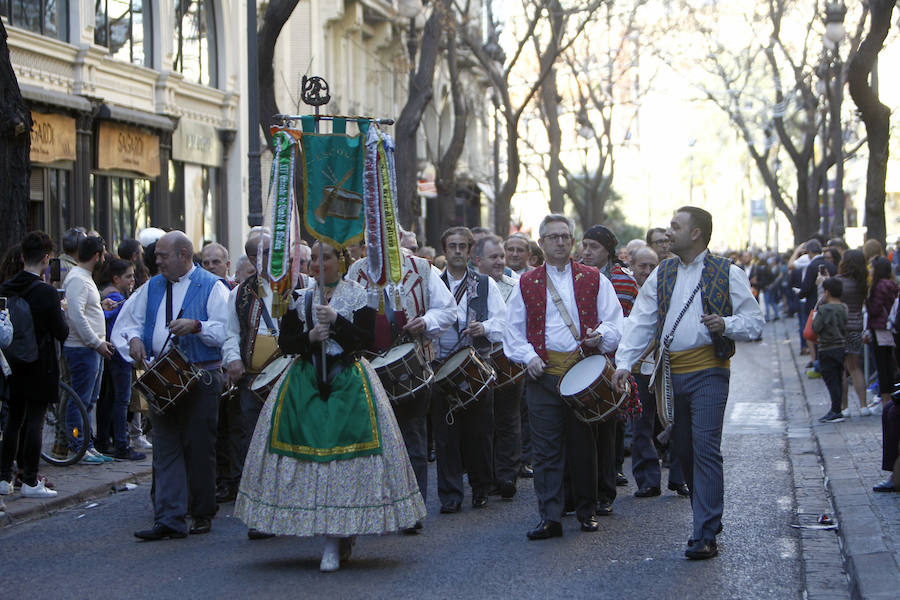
(135, 117)
(36, 94)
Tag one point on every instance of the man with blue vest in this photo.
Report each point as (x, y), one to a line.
(695, 305)
(187, 306)
(465, 439)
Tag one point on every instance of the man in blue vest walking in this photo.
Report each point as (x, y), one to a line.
(187, 306)
(711, 307)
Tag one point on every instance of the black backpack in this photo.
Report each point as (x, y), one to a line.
(24, 347)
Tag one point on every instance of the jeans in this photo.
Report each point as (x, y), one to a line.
(120, 378)
(770, 296)
(85, 372)
(831, 365)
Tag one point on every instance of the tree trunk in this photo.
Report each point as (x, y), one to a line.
(445, 175)
(502, 202)
(421, 91)
(277, 14)
(15, 150)
(875, 115)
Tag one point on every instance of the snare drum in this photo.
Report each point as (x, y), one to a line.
(169, 378)
(508, 372)
(463, 378)
(403, 371)
(264, 382)
(588, 389)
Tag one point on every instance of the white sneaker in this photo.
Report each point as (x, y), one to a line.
(6, 488)
(846, 412)
(38, 491)
(331, 560)
(865, 411)
(141, 442)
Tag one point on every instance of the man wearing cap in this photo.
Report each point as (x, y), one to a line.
(598, 249)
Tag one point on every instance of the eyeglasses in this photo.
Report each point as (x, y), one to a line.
(558, 237)
(663, 241)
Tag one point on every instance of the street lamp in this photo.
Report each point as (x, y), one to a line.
(835, 12)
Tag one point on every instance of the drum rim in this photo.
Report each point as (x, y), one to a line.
(572, 371)
(258, 381)
(382, 358)
(464, 352)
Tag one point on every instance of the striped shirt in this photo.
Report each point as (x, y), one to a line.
(624, 284)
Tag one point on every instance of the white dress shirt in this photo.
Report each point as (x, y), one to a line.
(441, 312)
(130, 322)
(231, 349)
(745, 324)
(557, 335)
(493, 325)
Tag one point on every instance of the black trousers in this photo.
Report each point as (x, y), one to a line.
(508, 431)
(464, 438)
(607, 435)
(30, 393)
(229, 461)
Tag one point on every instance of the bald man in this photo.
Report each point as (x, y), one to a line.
(186, 306)
(215, 259)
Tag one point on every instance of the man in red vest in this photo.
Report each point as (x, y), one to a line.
(558, 312)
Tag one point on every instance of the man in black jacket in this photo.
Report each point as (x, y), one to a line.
(33, 385)
(808, 289)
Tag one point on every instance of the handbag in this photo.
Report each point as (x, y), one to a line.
(809, 333)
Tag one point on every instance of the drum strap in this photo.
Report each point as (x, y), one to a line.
(558, 302)
(168, 302)
(267, 317)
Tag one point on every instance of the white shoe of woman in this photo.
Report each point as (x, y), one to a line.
(331, 560)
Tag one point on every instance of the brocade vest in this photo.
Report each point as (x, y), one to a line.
(478, 305)
(586, 282)
(714, 294)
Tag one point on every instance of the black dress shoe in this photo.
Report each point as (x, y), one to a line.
(692, 541)
(681, 489)
(546, 530)
(526, 471)
(159, 532)
(590, 524)
(702, 550)
(647, 492)
(450, 508)
(885, 486)
(479, 501)
(201, 525)
(507, 489)
(256, 534)
(225, 493)
(604, 508)
(621, 479)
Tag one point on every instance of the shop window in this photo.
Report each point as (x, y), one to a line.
(48, 208)
(129, 207)
(195, 41)
(124, 26)
(46, 17)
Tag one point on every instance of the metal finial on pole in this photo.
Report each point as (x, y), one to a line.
(314, 92)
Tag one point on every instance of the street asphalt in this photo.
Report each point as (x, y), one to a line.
(88, 551)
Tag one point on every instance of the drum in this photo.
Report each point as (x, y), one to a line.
(588, 389)
(169, 378)
(403, 371)
(264, 382)
(508, 372)
(463, 378)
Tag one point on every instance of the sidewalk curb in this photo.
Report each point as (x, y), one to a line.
(39, 510)
(867, 559)
(824, 575)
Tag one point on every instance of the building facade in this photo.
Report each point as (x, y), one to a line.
(140, 115)
(136, 113)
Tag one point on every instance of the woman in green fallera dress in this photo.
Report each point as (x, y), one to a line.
(327, 458)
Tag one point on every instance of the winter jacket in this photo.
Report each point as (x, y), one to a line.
(879, 303)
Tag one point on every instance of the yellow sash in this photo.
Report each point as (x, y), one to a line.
(696, 359)
(559, 362)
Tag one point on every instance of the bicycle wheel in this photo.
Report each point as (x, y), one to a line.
(59, 437)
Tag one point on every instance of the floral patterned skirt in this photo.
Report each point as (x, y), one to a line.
(358, 496)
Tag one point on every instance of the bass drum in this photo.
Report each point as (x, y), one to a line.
(264, 382)
(588, 389)
(403, 372)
